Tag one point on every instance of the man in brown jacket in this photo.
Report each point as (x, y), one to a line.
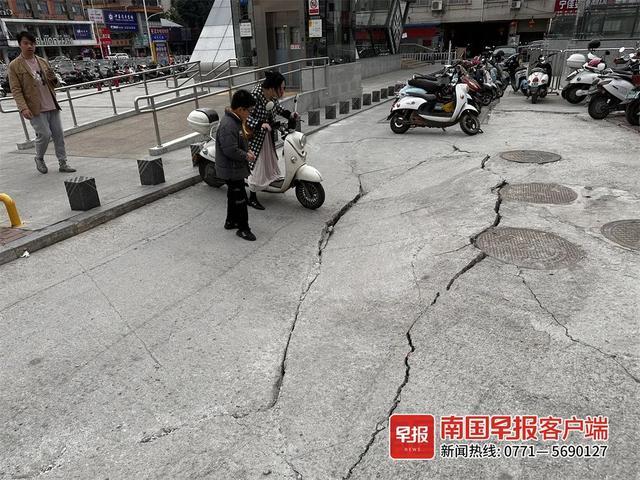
(32, 84)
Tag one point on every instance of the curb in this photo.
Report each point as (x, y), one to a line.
(87, 220)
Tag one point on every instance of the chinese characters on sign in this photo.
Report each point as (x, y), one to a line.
(121, 21)
(413, 436)
(566, 6)
(245, 29)
(82, 32)
(315, 28)
(95, 15)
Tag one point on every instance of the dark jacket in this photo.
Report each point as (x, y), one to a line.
(261, 115)
(231, 149)
(25, 89)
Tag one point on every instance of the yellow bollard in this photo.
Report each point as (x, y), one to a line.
(14, 216)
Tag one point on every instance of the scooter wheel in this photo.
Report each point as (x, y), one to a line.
(208, 174)
(570, 94)
(310, 194)
(534, 97)
(469, 123)
(631, 112)
(598, 106)
(398, 123)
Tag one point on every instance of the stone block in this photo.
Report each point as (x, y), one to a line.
(366, 99)
(82, 193)
(330, 112)
(391, 90)
(314, 117)
(151, 171)
(383, 93)
(344, 107)
(355, 103)
(375, 96)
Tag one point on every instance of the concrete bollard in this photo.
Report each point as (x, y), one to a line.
(314, 117)
(151, 171)
(330, 112)
(82, 193)
(344, 107)
(383, 93)
(391, 90)
(366, 99)
(375, 96)
(355, 103)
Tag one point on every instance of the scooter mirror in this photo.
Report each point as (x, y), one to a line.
(622, 49)
(270, 106)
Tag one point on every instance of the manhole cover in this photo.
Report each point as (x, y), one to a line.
(529, 248)
(623, 232)
(539, 193)
(530, 156)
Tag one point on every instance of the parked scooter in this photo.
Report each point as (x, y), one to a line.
(586, 71)
(425, 111)
(609, 94)
(5, 89)
(632, 110)
(304, 178)
(537, 85)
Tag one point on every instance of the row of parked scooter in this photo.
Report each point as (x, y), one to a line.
(81, 73)
(606, 88)
(454, 95)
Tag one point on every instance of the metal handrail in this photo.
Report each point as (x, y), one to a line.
(150, 99)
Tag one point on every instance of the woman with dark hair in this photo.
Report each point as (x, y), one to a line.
(262, 144)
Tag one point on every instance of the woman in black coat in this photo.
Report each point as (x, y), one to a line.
(262, 144)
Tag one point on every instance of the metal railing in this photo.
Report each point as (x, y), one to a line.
(112, 83)
(12, 210)
(149, 104)
(434, 57)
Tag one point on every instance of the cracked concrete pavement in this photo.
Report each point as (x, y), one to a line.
(157, 346)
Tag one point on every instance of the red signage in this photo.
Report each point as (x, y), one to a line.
(314, 7)
(566, 6)
(105, 36)
(412, 437)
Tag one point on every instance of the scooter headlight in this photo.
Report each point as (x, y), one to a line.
(303, 140)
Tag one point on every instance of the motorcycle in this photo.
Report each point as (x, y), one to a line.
(632, 110)
(304, 178)
(537, 85)
(586, 71)
(609, 93)
(425, 111)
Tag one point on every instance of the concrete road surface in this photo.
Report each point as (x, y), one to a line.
(162, 346)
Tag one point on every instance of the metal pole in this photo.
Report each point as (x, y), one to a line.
(146, 19)
(73, 112)
(449, 54)
(195, 94)
(155, 122)
(175, 82)
(146, 87)
(113, 100)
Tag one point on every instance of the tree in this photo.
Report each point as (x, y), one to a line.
(191, 13)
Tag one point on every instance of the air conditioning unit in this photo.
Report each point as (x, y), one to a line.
(436, 6)
(515, 5)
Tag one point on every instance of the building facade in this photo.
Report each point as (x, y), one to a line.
(60, 26)
(477, 24)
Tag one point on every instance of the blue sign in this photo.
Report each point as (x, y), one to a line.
(121, 21)
(82, 32)
(159, 34)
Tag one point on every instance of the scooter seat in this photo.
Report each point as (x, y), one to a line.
(428, 85)
(429, 97)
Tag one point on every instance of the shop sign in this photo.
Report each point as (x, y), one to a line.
(315, 28)
(245, 29)
(159, 34)
(121, 21)
(95, 15)
(314, 7)
(6, 12)
(52, 40)
(82, 32)
(566, 6)
(295, 46)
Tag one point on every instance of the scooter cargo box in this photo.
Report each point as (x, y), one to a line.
(202, 119)
(576, 60)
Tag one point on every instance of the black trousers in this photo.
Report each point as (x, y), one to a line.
(237, 204)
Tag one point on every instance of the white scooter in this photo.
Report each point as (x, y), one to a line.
(537, 85)
(586, 70)
(423, 111)
(610, 92)
(305, 178)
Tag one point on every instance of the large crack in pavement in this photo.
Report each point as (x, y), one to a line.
(382, 425)
(568, 334)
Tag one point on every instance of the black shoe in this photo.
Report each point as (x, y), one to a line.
(255, 204)
(246, 234)
(230, 225)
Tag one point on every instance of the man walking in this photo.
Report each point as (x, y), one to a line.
(32, 85)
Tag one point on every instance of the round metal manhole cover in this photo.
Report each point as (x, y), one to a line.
(529, 248)
(623, 232)
(539, 193)
(530, 156)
